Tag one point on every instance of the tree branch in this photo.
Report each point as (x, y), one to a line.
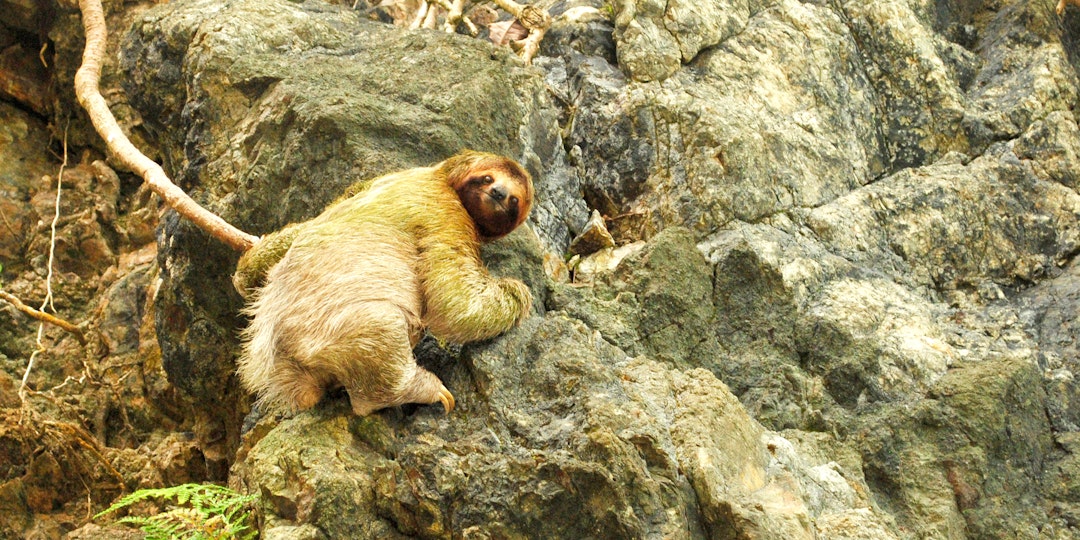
(86, 89)
(43, 317)
(456, 14)
(535, 19)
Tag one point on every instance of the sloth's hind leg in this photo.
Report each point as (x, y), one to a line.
(422, 387)
(294, 388)
(425, 387)
(377, 368)
(306, 389)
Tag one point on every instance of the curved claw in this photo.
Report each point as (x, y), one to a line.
(447, 400)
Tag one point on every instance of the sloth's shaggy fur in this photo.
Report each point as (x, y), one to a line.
(341, 300)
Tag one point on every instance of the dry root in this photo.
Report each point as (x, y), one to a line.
(535, 21)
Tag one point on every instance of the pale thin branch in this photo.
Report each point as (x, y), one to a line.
(421, 15)
(43, 316)
(86, 89)
(7, 224)
(47, 302)
(40, 313)
(537, 20)
(456, 14)
(431, 18)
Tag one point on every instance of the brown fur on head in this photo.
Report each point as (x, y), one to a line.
(496, 191)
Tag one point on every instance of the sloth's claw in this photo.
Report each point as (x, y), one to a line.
(447, 399)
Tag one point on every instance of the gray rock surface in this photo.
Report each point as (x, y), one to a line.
(654, 37)
(251, 107)
(842, 298)
(20, 178)
(775, 117)
(584, 441)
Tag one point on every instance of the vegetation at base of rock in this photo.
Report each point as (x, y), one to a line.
(201, 511)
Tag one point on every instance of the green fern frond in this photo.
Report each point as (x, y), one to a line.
(198, 512)
(152, 528)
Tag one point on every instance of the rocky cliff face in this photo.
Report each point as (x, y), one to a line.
(840, 301)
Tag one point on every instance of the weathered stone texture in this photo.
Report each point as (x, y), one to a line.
(837, 300)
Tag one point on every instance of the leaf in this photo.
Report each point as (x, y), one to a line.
(201, 509)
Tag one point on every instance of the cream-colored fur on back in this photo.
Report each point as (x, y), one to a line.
(334, 303)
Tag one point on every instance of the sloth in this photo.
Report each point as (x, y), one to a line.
(342, 299)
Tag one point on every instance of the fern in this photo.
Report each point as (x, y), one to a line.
(199, 512)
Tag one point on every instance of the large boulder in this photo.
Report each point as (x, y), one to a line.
(839, 303)
(268, 110)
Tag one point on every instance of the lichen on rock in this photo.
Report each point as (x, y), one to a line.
(829, 289)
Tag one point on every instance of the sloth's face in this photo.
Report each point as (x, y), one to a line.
(498, 198)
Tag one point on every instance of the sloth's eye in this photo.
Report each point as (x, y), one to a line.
(513, 200)
(487, 179)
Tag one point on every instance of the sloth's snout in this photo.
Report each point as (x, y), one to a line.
(497, 193)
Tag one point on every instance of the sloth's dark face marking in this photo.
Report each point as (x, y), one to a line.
(497, 196)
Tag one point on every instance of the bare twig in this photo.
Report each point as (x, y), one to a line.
(48, 301)
(43, 316)
(10, 227)
(39, 313)
(421, 14)
(86, 89)
(456, 14)
(536, 20)
(432, 17)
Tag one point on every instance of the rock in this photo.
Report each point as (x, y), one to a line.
(1053, 147)
(64, 36)
(1048, 313)
(557, 453)
(981, 435)
(1024, 75)
(166, 461)
(655, 299)
(758, 126)
(25, 15)
(123, 311)
(309, 466)
(20, 135)
(843, 306)
(578, 26)
(47, 467)
(605, 261)
(957, 224)
(22, 166)
(594, 237)
(899, 48)
(858, 524)
(93, 531)
(86, 243)
(653, 38)
(871, 340)
(265, 81)
(763, 275)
